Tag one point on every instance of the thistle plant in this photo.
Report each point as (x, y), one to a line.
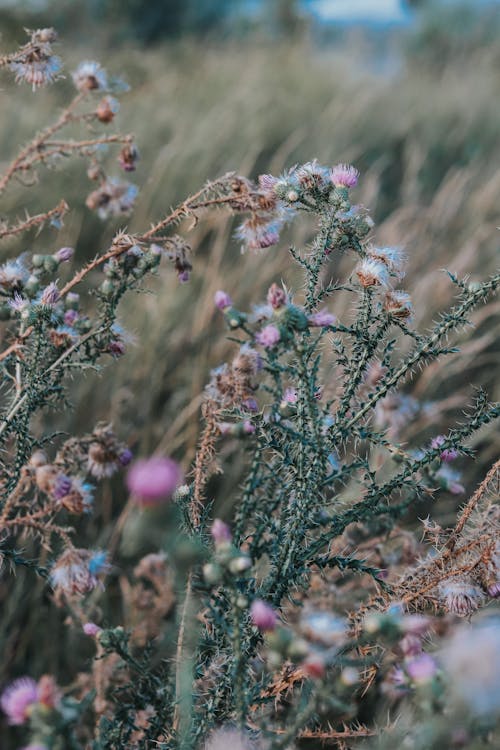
(311, 613)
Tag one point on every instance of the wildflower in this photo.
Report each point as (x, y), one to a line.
(290, 396)
(105, 457)
(113, 198)
(449, 480)
(90, 76)
(71, 573)
(268, 337)
(49, 694)
(421, 669)
(18, 303)
(392, 257)
(447, 455)
(344, 175)
(322, 319)
(276, 296)
(64, 254)
(153, 480)
(107, 109)
(14, 274)
(461, 597)
(220, 531)
(259, 231)
(312, 176)
(70, 317)
(398, 304)
(90, 628)
(73, 493)
(372, 273)
(128, 157)
(18, 698)
(267, 182)
(263, 615)
(50, 295)
(222, 300)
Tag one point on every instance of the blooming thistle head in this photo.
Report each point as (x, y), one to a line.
(14, 273)
(18, 698)
(398, 304)
(372, 273)
(276, 296)
(268, 337)
(220, 532)
(91, 629)
(222, 300)
(448, 454)
(90, 76)
(344, 175)
(50, 295)
(322, 319)
(153, 480)
(421, 669)
(290, 396)
(263, 616)
(18, 303)
(267, 183)
(71, 573)
(64, 254)
(461, 597)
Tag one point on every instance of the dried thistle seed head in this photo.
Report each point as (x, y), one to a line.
(74, 574)
(460, 597)
(107, 108)
(128, 157)
(90, 76)
(398, 304)
(372, 273)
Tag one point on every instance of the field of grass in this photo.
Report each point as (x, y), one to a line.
(425, 139)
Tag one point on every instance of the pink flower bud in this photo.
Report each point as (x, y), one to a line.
(220, 531)
(422, 668)
(153, 480)
(18, 698)
(222, 300)
(64, 254)
(263, 615)
(90, 628)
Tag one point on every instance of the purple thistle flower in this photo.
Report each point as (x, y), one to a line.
(152, 480)
(267, 182)
(17, 699)
(50, 295)
(64, 254)
(344, 175)
(70, 317)
(290, 396)
(263, 616)
(125, 457)
(62, 486)
(90, 628)
(220, 531)
(421, 669)
(268, 337)
(18, 303)
(222, 300)
(448, 454)
(322, 318)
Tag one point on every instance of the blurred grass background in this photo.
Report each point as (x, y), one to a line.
(416, 108)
